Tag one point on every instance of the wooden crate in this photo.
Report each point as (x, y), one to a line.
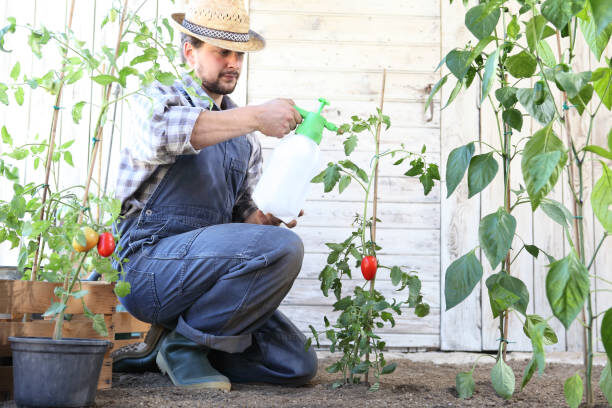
(19, 297)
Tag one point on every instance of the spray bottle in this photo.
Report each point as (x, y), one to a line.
(285, 182)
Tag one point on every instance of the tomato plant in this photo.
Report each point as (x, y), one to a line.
(512, 52)
(52, 225)
(365, 310)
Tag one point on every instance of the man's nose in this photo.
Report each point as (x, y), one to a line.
(234, 60)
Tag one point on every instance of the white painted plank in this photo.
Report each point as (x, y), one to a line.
(395, 242)
(413, 139)
(402, 114)
(427, 267)
(347, 28)
(390, 189)
(392, 215)
(398, 342)
(406, 323)
(460, 327)
(318, 55)
(547, 235)
(307, 292)
(576, 335)
(364, 85)
(357, 7)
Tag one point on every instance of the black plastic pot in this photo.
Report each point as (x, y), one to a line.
(56, 373)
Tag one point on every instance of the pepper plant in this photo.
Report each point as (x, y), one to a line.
(522, 77)
(55, 226)
(366, 309)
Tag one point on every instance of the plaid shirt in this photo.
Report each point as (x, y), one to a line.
(163, 120)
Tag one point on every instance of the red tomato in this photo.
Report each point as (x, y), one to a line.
(106, 244)
(368, 267)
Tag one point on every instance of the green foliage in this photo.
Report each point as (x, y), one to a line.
(543, 160)
(601, 198)
(364, 311)
(461, 277)
(605, 382)
(482, 170)
(43, 231)
(495, 233)
(573, 390)
(567, 286)
(606, 333)
(456, 165)
(507, 292)
(502, 378)
(523, 67)
(465, 384)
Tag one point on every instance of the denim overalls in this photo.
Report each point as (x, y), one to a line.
(217, 283)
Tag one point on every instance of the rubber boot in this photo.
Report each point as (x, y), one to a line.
(187, 365)
(140, 357)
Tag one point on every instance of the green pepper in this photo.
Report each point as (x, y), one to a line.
(539, 93)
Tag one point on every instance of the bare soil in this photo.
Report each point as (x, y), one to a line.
(413, 384)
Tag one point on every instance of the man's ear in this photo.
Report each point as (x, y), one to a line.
(188, 53)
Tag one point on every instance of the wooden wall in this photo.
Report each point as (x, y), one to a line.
(337, 50)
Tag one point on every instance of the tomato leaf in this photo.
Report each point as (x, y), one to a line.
(350, 144)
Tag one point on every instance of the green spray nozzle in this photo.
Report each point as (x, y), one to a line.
(314, 122)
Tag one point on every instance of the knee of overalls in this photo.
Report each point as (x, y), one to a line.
(291, 249)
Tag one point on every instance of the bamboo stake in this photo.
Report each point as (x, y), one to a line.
(98, 136)
(578, 239)
(375, 203)
(51, 147)
(100, 127)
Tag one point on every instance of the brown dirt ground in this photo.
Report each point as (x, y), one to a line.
(411, 385)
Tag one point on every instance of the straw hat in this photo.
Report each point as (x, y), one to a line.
(224, 23)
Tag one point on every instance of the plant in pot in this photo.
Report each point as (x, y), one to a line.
(62, 231)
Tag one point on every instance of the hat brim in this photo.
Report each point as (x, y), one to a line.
(256, 42)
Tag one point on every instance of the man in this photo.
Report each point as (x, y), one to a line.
(204, 262)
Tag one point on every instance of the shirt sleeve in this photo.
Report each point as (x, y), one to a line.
(245, 205)
(163, 126)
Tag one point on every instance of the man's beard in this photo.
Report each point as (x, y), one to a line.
(219, 88)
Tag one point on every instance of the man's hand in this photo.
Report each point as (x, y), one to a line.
(258, 217)
(277, 117)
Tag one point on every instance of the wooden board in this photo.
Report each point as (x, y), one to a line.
(307, 292)
(36, 297)
(354, 7)
(461, 326)
(340, 28)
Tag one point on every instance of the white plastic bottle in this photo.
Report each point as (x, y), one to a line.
(285, 182)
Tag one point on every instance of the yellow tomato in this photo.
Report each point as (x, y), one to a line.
(91, 237)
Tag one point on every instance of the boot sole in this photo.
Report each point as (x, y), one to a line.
(216, 385)
(151, 340)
